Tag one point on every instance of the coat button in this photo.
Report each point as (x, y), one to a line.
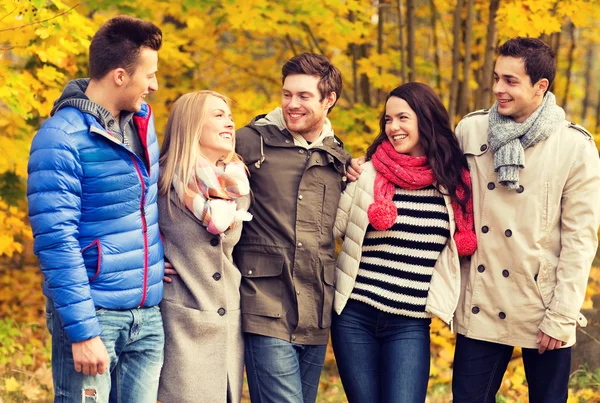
(502, 315)
(301, 151)
(505, 273)
(293, 338)
(300, 197)
(481, 268)
(217, 276)
(475, 310)
(485, 229)
(508, 233)
(520, 189)
(491, 186)
(483, 147)
(214, 241)
(299, 244)
(249, 272)
(287, 142)
(221, 311)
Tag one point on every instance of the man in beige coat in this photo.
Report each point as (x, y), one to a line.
(536, 188)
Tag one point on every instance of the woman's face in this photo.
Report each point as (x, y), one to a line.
(218, 131)
(402, 127)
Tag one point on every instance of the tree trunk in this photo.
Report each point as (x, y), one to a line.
(488, 62)
(436, 46)
(402, 44)
(380, 22)
(353, 48)
(463, 106)
(570, 65)
(365, 85)
(598, 114)
(455, 60)
(589, 60)
(410, 25)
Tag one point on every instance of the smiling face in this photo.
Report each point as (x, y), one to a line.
(304, 111)
(218, 130)
(141, 83)
(402, 127)
(517, 97)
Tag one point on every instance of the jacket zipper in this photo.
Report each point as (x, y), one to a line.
(144, 230)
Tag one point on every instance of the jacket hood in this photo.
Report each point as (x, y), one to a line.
(275, 133)
(75, 90)
(74, 96)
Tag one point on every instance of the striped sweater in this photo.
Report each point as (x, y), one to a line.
(397, 264)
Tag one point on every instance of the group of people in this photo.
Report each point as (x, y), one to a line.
(491, 227)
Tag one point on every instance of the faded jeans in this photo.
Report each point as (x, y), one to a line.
(134, 339)
(279, 371)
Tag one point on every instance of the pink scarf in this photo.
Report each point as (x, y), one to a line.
(394, 168)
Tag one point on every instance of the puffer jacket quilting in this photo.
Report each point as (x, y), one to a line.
(93, 211)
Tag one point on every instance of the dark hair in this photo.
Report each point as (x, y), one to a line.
(330, 78)
(446, 159)
(118, 43)
(539, 59)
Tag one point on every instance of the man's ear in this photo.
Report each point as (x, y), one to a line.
(330, 100)
(541, 86)
(119, 76)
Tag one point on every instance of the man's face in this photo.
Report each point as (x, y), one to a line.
(142, 82)
(303, 110)
(517, 97)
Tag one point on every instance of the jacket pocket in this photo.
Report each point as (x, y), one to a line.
(327, 293)
(262, 286)
(546, 282)
(92, 257)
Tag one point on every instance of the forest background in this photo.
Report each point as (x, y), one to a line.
(237, 47)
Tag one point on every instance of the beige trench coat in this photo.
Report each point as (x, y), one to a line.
(204, 346)
(535, 244)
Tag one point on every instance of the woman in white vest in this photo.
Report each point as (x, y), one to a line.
(405, 222)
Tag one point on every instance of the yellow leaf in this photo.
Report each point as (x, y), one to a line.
(11, 384)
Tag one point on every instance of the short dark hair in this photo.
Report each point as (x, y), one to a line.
(118, 43)
(441, 147)
(538, 57)
(330, 78)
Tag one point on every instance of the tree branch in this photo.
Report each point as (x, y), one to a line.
(8, 14)
(39, 22)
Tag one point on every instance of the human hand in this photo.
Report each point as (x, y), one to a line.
(90, 356)
(354, 170)
(546, 342)
(169, 271)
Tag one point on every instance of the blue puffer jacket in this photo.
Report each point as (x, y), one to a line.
(93, 211)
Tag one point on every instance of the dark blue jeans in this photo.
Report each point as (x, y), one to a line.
(279, 371)
(480, 365)
(381, 357)
(134, 339)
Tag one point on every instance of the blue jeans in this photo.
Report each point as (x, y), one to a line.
(134, 339)
(279, 371)
(381, 357)
(480, 365)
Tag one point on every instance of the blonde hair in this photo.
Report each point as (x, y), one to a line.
(181, 144)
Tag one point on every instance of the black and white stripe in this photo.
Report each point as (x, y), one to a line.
(397, 264)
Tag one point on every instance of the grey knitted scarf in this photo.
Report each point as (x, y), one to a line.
(509, 139)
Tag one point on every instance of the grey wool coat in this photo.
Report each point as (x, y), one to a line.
(204, 346)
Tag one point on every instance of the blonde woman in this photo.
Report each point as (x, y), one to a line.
(200, 219)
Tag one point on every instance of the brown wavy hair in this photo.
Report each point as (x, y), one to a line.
(446, 159)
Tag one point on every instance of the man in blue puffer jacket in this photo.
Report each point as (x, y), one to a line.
(93, 170)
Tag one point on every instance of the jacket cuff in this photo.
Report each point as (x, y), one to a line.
(84, 330)
(558, 326)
